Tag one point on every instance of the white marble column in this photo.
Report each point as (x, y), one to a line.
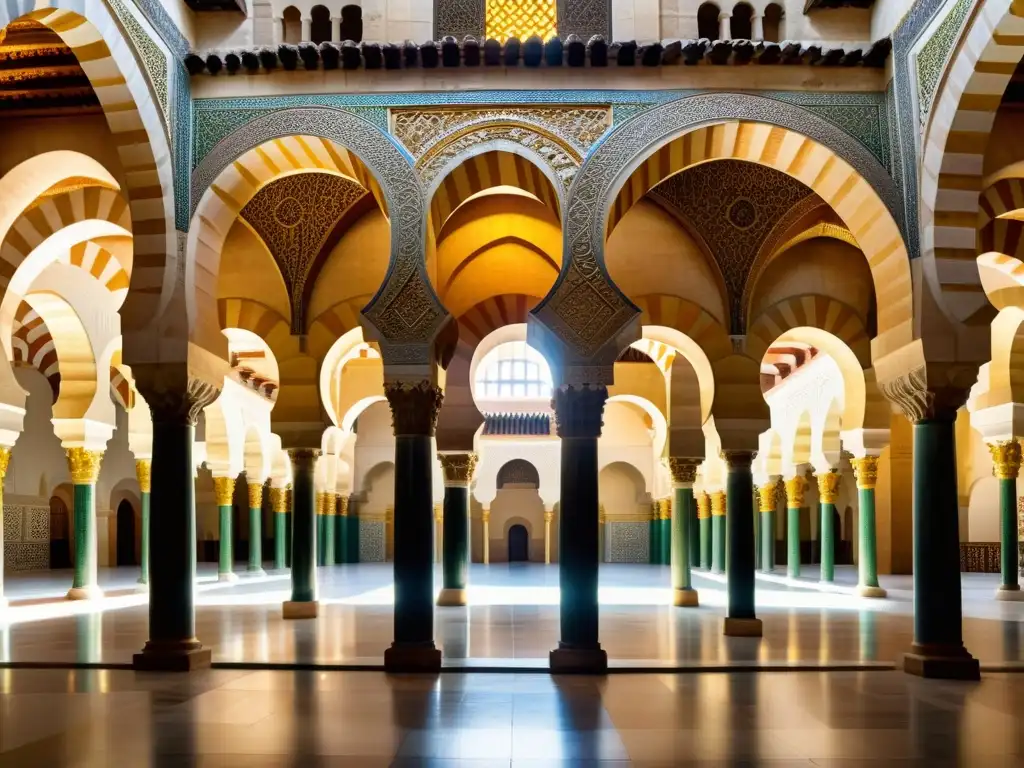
(336, 29)
(307, 32)
(724, 28)
(757, 27)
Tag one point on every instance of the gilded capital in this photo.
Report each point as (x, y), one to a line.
(438, 513)
(549, 516)
(665, 506)
(866, 471)
(343, 505)
(683, 471)
(414, 407)
(602, 516)
(330, 503)
(84, 465)
(1005, 459)
(768, 496)
(703, 506)
(144, 473)
(278, 500)
(5, 459)
(458, 468)
(224, 490)
(795, 487)
(828, 486)
(255, 495)
(718, 504)
(319, 502)
(485, 516)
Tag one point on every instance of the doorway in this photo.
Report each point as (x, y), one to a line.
(126, 533)
(60, 535)
(518, 544)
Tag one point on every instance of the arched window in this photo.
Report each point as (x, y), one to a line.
(707, 21)
(740, 25)
(292, 21)
(320, 28)
(521, 19)
(513, 370)
(352, 23)
(773, 23)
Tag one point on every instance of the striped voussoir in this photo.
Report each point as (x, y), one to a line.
(810, 311)
(121, 389)
(149, 209)
(490, 169)
(686, 317)
(832, 178)
(334, 322)
(955, 146)
(33, 345)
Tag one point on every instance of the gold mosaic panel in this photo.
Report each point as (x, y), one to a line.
(521, 18)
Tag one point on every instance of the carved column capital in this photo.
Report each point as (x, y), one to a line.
(768, 496)
(665, 508)
(224, 491)
(173, 396)
(458, 469)
(1005, 459)
(5, 460)
(739, 460)
(84, 465)
(144, 473)
(930, 395)
(718, 504)
(683, 471)
(549, 516)
(866, 472)
(579, 410)
(343, 505)
(828, 486)
(330, 503)
(795, 488)
(703, 506)
(304, 458)
(278, 500)
(255, 495)
(485, 516)
(414, 407)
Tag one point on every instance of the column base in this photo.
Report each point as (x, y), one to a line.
(1010, 593)
(253, 574)
(227, 576)
(403, 657)
(306, 609)
(92, 592)
(742, 627)
(863, 591)
(578, 661)
(451, 596)
(685, 598)
(142, 586)
(186, 656)
(941, 662)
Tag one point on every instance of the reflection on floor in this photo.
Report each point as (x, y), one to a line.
(236, 719)
(513, 622)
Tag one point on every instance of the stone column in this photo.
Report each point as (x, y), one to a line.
(724, 26)
(303, 603)
(549, 516)
(172, 644)
(866, 472)
(330, 512)
(579, 411)
(5, 458)
(224, 491)
(694, 534)
(336, 29)
(342, 545)
(84, 465)
(704, 518)
(307, 29)
(414, 410)
(828, 492)
(654, 534)
(665, 536)
(485, 520)
(757, 27)
(768, 495)
(718, 531)
(278, 500)
(458, 476)
(289, 512)
(684, 472)
(144, 473)
(320, 538)
(794, 502)
(255, 567)
(741, 620)
(1006, 456)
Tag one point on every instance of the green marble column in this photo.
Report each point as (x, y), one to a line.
(84, 466)
(938, 649)
(143, 472)
(224, 491)
(303, 603)
(1006, 456)
(458, 476)
(718, 515)
(342, 545)
(321, 539)
(654, 535)
(768, 499)
(704, 520)
(684, 473)
(278, 501)
(665, 537)
(255, 565)
(795, 487)
(828, 492)
(414, 410)
(579, 412)
(330, 510)
(289, 512)
(172, 644)
(694, 532)
(866, 471)
(741, 620)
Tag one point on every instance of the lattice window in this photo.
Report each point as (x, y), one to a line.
(521, 18)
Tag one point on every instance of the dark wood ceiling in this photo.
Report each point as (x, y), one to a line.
(216, 5)
(811, 5)
(39, 74)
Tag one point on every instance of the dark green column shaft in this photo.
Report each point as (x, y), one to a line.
(330, 513)
(666, 531)
(303, 525)
(458, 474)
(740, 528)
(143, 471)
(828, 490)
(224, 490)
(342, 545)
(321, 539)
(278, 500)
(938, 633)
(718, 515)
(255, 565)
(704, 512)
(694, 536)
(654, 536)
(414, 541)
(866, 470)
(1006, 463)
(768, 496)
(84, 466)
(684, 472)
(794, 502)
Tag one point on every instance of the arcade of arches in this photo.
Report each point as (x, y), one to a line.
(556, 335)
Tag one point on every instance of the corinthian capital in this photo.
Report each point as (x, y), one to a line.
(414, 407)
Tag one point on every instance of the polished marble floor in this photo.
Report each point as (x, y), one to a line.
(512, 622)
(276, 719)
